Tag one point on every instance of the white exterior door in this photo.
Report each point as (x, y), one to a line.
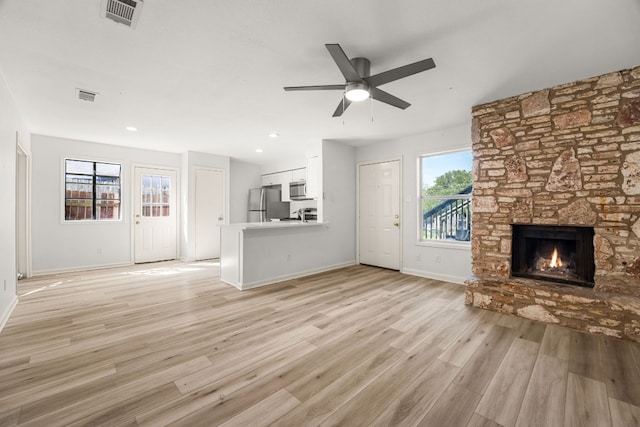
(155, 216)
(209, 208)
(379, 214)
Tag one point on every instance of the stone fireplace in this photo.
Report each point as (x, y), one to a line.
(556, 205)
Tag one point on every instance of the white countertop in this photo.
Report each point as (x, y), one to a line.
(273, 224)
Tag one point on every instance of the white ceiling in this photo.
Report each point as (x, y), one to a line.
(207, 75)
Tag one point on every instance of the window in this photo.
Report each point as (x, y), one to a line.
(445, 195)
(156, 192)
(92, 190)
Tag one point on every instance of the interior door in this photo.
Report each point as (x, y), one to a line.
(379, 214)
(23, 213)
(209, 208)
(155, 216)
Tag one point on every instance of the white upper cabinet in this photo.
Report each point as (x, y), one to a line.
(271, 179)
(313, 177)
(299, 175)
(285, 179)
(310, 174)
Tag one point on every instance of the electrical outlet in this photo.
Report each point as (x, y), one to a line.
(419, 257)
(99, 250)
(438, 259)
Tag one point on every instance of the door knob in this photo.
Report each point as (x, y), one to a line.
(137, 222)
(396, 223)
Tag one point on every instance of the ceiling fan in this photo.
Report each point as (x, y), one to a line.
(359, 85)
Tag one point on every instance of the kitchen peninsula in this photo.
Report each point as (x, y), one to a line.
(259, 253)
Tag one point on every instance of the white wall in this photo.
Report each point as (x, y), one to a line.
(10, 124)
(445, 262)
(190, 161)
(297, 158)
(59, 246)
(338, 204)
(243, 177)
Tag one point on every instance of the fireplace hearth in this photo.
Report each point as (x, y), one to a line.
(553, 253)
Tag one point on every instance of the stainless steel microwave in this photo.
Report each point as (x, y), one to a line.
(298, 190)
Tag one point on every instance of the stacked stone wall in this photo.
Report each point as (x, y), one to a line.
(567, 155)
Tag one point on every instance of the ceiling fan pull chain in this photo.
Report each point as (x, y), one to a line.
(344, 94)
(371, 102)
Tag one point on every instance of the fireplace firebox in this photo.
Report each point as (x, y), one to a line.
(560, 254)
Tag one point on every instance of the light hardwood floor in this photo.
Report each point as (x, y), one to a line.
(169, 343)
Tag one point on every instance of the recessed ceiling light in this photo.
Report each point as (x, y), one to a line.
(259, 150)
(131, 128)
(274, 135)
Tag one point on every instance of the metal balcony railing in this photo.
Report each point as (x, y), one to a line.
(449, 220)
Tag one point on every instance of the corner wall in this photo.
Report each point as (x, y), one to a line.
(337, 203)
(10, 125)
(243, 176)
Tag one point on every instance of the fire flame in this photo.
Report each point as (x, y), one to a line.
(555, 260)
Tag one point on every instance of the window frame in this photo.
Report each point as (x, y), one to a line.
(94, 184)
(452, 243)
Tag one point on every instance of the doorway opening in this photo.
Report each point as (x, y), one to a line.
(23, 211)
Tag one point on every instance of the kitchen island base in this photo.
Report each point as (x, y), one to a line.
(258, 254)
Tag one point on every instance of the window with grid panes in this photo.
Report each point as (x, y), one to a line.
(156, 192)
(92, 190)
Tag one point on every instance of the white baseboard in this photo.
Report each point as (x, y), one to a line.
(430, 275)
(4, 316)
(296, 275)
(82, 268)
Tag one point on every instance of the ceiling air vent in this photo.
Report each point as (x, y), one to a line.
(124, 12)
(86, 95)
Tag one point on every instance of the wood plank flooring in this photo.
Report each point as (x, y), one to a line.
(169, 344)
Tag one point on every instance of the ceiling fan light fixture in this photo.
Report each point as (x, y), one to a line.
(360, 84)
(357, 92)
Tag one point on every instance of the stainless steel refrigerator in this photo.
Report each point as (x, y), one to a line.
(265, 204)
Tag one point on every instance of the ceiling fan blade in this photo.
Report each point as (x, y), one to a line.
(344, 63)
(400, 72)
(387, 98)
(344, 104)
(319, 87)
